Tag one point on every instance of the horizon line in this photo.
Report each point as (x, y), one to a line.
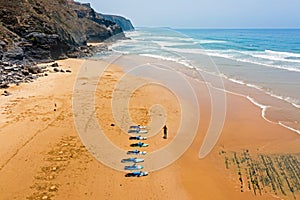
(270, 28)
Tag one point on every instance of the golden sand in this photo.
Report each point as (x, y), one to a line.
(41, 155)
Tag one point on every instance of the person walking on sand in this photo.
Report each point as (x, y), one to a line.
(165, 132)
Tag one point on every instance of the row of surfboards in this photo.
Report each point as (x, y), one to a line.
(134, 160)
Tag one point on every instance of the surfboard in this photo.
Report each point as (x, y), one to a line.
(137, 138)
(135, 160)
(134, 167)
(138, 131)
(143, 174)
(137, 127)
(138, 160)
(136, 174)
(127, 160)
(139, 144)
(136, 152)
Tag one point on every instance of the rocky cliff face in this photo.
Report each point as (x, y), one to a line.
(84, 10)
(124, 23)
(42, 30)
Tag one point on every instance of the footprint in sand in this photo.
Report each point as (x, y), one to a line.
(56, 161)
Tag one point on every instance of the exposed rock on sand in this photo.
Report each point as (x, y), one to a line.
(13, 74)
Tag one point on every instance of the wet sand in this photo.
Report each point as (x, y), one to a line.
(41, 155)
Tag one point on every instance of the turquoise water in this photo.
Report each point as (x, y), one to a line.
(271, 47)
(267, 60)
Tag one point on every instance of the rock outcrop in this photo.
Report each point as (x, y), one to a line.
(13, 74)
(43, 30)
(124, 23)
(84, 10)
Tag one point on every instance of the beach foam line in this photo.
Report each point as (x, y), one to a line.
(168, 38)
(241, 82)
(286, 99)
(169, 44)
(291, 69)
(283, 53)
(189, 51)
(211, 41)
(232, 54)
(121, 52)
(296, 105)
(176, 60)
(254, 86)
(229, 54)
(290, 128)
(132, 33)
(275, 58)
(263, 107)
(237, 81)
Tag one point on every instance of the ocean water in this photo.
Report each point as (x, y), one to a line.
(261, 64)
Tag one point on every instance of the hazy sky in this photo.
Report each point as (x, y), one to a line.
(205, 13)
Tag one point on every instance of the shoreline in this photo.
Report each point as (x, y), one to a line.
(41, 148)
(269, 104)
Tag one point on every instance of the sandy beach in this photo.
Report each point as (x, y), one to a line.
(42, 156)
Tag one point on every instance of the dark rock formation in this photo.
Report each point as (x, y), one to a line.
(13, 74)
(115, 27)
(124, 23)
(84, 10)
(43, 30)
(16, 74)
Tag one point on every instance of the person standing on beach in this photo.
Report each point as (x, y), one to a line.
(165, 131)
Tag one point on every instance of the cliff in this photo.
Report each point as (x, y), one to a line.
(42, 30)
(124, 23)
(84, 10)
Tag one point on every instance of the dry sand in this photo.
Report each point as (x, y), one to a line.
(42, 157)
